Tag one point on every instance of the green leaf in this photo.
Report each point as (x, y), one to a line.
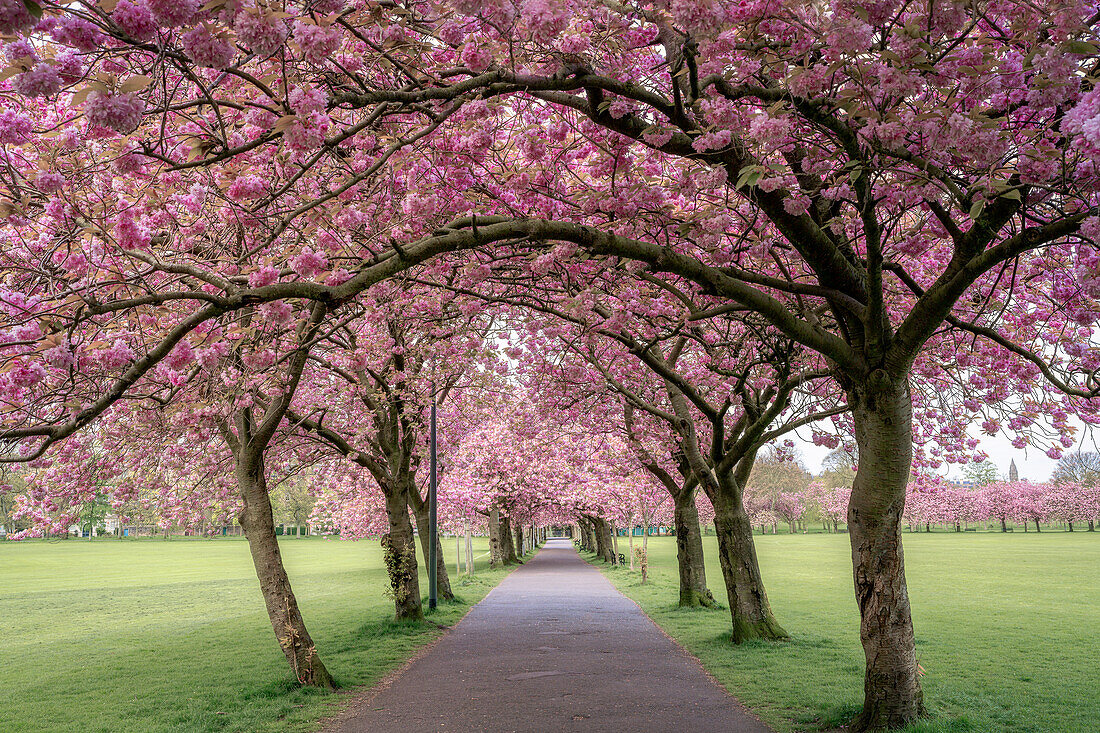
(1013, 195)
(1081, 48)
(977, 209)
(750, 175)
(33, 8)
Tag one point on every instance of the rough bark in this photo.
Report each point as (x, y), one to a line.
(750, 611)
(507, 544)
(689, 553)
(588, 535)
(258, 523)
(443, 581)
(496, 547)
(882, 414)
(520, 548)
(399, 552)
(603, 539)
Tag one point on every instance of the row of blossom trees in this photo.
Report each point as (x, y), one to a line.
(895, 205)
(933, 501)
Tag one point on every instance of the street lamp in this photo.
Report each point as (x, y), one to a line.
(433, 529)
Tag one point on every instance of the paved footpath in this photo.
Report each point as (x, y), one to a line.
(554, 647)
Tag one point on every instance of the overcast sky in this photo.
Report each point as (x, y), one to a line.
(1032, 463)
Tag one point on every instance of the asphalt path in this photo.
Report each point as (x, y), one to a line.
(554, 647)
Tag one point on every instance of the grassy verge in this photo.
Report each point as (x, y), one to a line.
(1005, 626)
(173, 636)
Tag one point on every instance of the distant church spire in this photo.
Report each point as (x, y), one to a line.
(1013, 474)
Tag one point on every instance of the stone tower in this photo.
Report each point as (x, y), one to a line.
(1013, 474)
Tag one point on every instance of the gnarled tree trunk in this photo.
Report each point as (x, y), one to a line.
(587, 537)
(399, 552)
(689, 552)
(507, 544)
(750, 612)
(603, 539)
(258, 523)
(882, 415)
(496, 547)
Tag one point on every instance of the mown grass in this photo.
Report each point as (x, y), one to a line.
(172, 636)
(1006, 630)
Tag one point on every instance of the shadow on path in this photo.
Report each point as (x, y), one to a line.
(554, 647)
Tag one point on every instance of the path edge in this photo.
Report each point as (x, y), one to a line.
(360, 697)
(683, 650)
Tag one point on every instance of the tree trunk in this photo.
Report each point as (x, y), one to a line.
(689, 553)
(258, 523)
(614, 542)
(630, 544)
(603, 539)
(520, 548)
(1037, 526)
(496, 547)
(442, 581)
(1070, 525)
(399, 552)
(588, 535)
(749, 609)
(1092, 527)
(469, 547)
(1004, 527)
(883, 428)
(507, 545)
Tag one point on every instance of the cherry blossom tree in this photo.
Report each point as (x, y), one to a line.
(878, 181)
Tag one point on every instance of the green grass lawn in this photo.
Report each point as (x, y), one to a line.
(1007, 629)
(151, 635)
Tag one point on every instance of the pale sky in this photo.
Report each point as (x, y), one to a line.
(1032, 462)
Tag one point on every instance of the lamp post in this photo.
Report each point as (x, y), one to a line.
(433, 529)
